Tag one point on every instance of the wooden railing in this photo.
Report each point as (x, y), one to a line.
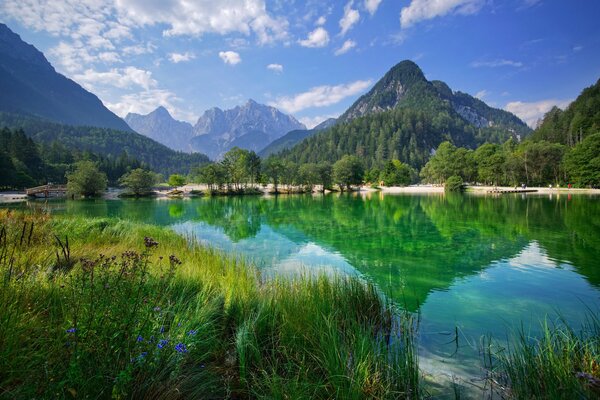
(46, 190)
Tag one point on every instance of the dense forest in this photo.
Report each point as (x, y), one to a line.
(405, 134)
(26, 163)
(105, 142)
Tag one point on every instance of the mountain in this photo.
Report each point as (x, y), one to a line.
(405, 116)
(578, 121)
(30, 85)
(405, 85)
(290, 139)
(160, 126)
(106, 142)
(251, 126)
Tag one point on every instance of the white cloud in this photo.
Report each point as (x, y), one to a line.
(497, 63)
(93, 31)
(139, 49)
(230, 57)
(351, 17)
(481, 94)
(532, 112)
(317, 38)
(422, 10)
(311, 122)
(372, 5)
(320, 96)
(147, 101)
(528, 3)
(181, 57)
(346, 47)
(198, 17)
(120, 78)
(275, 67)
(321, 20)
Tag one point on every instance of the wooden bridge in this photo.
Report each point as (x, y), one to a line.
(47, 191)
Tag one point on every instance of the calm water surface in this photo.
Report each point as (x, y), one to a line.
(468, 264)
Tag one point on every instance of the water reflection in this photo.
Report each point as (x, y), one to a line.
(410, 246)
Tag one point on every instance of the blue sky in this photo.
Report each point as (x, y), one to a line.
(312, 59)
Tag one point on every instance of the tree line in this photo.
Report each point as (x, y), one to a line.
(26, 163)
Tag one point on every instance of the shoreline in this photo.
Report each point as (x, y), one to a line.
(113, 194)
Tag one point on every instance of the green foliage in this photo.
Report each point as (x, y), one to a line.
(348, 171)
(86, 180)
(571, 126)
(139, 181)
(213, 175)
(562, 364)
(105, 142)
(582, 163)
(175, 320)
(176, 180)
(454, 184)
(448, 161)
(396, 173)
(274, 170)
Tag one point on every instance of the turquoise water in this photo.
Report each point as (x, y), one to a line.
(471, 265)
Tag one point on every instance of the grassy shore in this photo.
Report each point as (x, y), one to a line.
(105, 308)
(561, 364)
(99, 308)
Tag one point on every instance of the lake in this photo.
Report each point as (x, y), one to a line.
(469, 265)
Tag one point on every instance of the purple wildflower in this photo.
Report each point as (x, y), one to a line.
(181, 348)
(162, 343)
(192, 332)
(140, 338)
(71, 330)
(149, 242)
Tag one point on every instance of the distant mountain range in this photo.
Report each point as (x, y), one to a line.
(30, 85)
(251, 126)
(405, 116)
(50, 107)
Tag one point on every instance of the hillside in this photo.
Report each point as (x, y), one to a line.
(294, 137)
(578, 121)
(30, 85)
(107, 142)
(405, 116)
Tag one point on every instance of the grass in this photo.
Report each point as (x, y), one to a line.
(105, 308)
(561, 364)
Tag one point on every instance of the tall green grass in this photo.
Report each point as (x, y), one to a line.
(92, 309)
(560, 364)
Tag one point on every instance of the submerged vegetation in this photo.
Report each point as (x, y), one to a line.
(106, 308)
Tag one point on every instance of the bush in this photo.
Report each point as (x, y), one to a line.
(454, 184)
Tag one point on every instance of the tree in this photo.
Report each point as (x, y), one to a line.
(139, 181)
(490, 163)
(582, 163)
(86, 180)
(454, 184)
(176, 180)
(308, 175)
(325, 175)
(212, 175)
(348, 171)
(274, 169)
(396, 173)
